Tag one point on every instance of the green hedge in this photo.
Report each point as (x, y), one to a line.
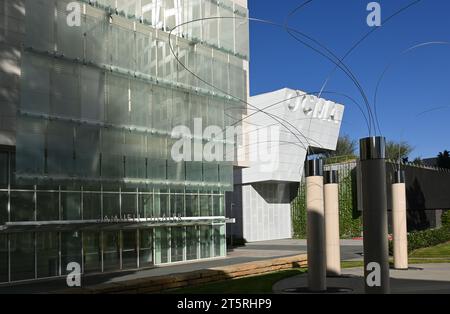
(446, 219)
(425, 238)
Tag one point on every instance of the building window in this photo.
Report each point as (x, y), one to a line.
(47, 206)
(71, 205)
(146, 205)
(192, 208)
(145, 247)
(92, 206)
(177, 244)
(3, 258)
(206, 241)
(129, 249)
(22, 256)
(162, 244)
(129, 206)
(92, 252)
(3, 207)
(22, 206)
(70, 249)
(192, 243)
(47, 252)
(4, 170)
(205, 205)
(111, 251)
(111, 204)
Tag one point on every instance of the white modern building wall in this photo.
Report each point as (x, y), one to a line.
(278, 140)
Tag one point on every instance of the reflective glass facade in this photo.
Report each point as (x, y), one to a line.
(91, 178)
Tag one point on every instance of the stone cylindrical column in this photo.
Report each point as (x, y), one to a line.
(315, 226)
(332, 239)
(400, 233)
(374, 199)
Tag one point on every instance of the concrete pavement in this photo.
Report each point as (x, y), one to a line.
(419, 279)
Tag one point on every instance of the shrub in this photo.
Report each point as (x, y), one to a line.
(426, 238)
(446, 219)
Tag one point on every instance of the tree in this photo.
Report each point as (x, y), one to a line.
(398, 150)
(443, 160)
(418, 161)
(345, 147)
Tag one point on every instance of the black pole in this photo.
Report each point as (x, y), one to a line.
(376, 250)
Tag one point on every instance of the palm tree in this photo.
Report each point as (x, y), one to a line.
(443, 160)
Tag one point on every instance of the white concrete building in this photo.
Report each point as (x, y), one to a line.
(281, 126)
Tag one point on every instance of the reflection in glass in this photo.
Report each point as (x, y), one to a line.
(145, 247)
(3, 207)
(92, 206)
(177, 204)
(206, 239)
(111, 205)
(47, 251)
(111, 250)
(22, 206)
(146, 205)
(71, 206)
(70, 249)
(92, 252)
(191, 242)
(205, 205)
(129, 249)
(162, 245)
(3, 258)
(47, 206)
(177, 244)
(129, 205)
(22, 256)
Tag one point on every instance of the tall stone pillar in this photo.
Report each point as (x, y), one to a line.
(315, 225)
(374, 199)
(400, 233)
(332, 238)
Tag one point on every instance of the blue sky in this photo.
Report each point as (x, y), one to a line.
(416, 82)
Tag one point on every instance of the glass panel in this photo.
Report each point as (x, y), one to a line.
(60, 148)
(210, 24)
(112, 154)
(192, 242)
(69, 40)
(135, 161)
(35, 84)
(205, 205)
(39, 31)
(194, 13)
(64, 90)
(141, 104)
(92, 252)
(242, 33)
(145, 247)
(30, 146)
(162, 205)
(192, 207)
(219, 241)
(3, 207)
(47, 246)
(146, 205)
(111, 251)
(87, 145)
(117, 107)
(129, 206)
(129, 249)
(70, 249)
(92, 206)
(218, 205)
(226, 25)
(211, 172)
(47, 206)
(22, 256)
(4, 170)
(121, 43)
(145, 52)
(177, 244)
(206, 241)
(3, 258)
(22, 206)
(177, 203)
(96, 31)
(92, 94)
(111, 205)
(175, 171)
(71, 206)
(162, 245)
(194, 171)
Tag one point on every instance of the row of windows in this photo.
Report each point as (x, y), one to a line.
(25, 256)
